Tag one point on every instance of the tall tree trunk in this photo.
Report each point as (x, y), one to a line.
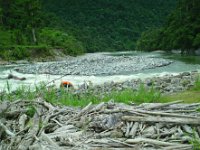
(33, 36)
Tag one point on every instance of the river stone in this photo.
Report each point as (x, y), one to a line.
(185, 74)
(175, 80)
(185, 82)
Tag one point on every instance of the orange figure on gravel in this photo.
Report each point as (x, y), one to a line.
(66, 84)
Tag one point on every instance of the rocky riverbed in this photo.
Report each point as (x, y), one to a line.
(165, 84)
(96, 64)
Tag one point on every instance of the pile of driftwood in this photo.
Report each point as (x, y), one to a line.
(38, 125)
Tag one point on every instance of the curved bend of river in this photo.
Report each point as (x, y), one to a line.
(180, 64)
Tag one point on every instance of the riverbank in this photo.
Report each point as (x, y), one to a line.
(166, 84)
(96, 64)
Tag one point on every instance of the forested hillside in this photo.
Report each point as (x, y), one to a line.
(34, 27)
(181, 31)
(26, 30)
(110, 25)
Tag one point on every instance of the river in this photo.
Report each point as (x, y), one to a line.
(180, 64)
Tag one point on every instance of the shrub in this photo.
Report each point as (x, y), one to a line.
(59, 39)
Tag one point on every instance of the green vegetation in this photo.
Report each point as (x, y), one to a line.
(25, 30)
(110, 25)
(195, 141)
(27, 26)
(181, 31)
(197, 84)
(64, 97)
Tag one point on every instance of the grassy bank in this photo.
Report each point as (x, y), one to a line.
(65, 97)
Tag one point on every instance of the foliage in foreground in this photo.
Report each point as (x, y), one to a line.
(66, 97)
(195, 141)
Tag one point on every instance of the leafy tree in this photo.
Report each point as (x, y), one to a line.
(181, 30)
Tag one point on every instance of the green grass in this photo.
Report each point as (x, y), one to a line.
(197, 85)
(143, 95)
(64, 97)
(187, 97)
(195, 141)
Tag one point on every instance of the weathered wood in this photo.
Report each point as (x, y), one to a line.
(22, 121)
(151, 141)
(98, 107)
(134, 129)
(153, 119)
(166, 114)
(57, 127)
(29, 138)
(163, 105)
(179, 147)
(128, 128)
(120, 142)
(85, 109)
(49, 140)
(6, 130)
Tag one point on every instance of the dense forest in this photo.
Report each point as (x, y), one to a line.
(110, 25)
(27, 30)
(34, 27)
(181, 31)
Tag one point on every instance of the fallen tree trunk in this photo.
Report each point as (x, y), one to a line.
(155, 119)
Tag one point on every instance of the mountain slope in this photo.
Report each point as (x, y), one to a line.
(110, 25)
(181, 31)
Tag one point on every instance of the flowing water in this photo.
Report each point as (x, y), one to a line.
(180, 64)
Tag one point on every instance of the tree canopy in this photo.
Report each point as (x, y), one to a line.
(23, 25)
(181, 31)
(110, 25)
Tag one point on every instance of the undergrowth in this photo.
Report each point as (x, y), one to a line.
(66, 97)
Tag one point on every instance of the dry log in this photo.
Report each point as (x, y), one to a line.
(153, 119)
(98, 107)
(158, 106)
(128, 127)
(85, 110)
(49, 140)
(162, 134)
(179, 147)
(29, 138)
(134, 129)
(151, 141)
(22, 121)
(15, 114)
(123, 143)
(6, 130)
(166, 114)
